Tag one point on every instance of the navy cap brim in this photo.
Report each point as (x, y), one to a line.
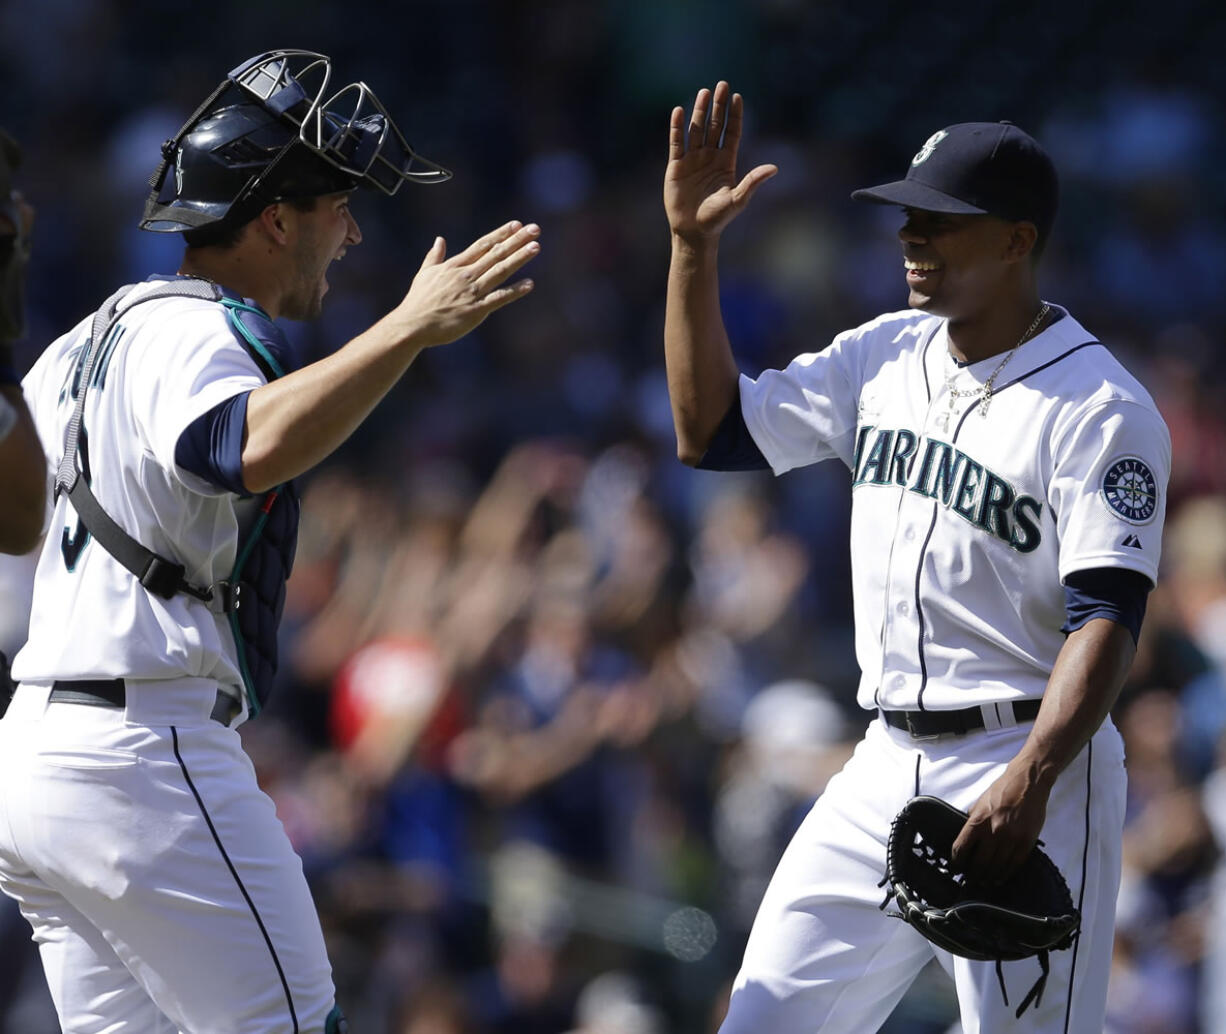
(913, 194)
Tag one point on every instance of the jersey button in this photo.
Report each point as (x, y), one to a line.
(909, 534)
(903, 608)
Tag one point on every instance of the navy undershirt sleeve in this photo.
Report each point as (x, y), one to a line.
(732, 446)
(1105, 592)
(211, 446)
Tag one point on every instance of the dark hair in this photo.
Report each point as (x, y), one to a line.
(227, 233)
(1040, 243)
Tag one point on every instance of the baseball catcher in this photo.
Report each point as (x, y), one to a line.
(162, 889)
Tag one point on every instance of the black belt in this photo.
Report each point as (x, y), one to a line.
(113, 693)
(922, 724)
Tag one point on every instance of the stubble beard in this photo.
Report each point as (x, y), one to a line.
(306, 306)
(307, 300)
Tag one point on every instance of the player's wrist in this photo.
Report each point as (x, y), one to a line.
(1036, 770)
(401, 333)
(695, 242)
(417, 334)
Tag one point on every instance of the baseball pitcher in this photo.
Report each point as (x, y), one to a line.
(1008, 491)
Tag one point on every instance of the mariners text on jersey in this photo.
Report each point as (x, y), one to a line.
(968, 488)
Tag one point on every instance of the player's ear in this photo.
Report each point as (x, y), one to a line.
(273, 222)
(1021, 241)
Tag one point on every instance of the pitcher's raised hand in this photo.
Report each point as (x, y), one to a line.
(701, 191)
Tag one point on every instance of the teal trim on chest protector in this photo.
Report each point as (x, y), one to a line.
(233, 308)
(253, 699)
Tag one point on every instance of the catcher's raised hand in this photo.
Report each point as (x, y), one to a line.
(451, 296)
(701, 192)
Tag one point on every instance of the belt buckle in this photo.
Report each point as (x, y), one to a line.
(916, 735)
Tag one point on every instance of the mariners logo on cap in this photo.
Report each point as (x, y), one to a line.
(930, 145)
(1130, 489)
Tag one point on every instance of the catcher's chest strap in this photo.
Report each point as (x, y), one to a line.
(161, 576)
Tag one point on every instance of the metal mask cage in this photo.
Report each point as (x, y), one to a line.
(350, 129)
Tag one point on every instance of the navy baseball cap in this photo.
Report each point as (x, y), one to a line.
(977, 168)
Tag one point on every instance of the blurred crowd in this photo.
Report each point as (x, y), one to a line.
(550, 704)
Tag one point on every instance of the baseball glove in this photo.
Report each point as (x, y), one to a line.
(1031, 913)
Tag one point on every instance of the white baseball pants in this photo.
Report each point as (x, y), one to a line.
(161, 888)
(823, 956)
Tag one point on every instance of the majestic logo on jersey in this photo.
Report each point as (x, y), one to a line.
(930, 145)
(976, 494)
(1130, 489)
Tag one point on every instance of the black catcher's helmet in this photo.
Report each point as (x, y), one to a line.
(272, 132)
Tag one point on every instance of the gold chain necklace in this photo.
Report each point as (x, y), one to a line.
(985, 389)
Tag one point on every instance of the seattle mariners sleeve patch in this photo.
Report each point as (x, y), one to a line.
(1131, 490)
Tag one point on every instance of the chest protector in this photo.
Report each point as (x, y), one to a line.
(252, 597)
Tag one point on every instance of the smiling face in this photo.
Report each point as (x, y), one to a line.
(958, 265)
(322, 235)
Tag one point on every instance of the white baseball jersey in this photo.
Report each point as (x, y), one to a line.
(965, 522)
(162, 889)
(167, 363)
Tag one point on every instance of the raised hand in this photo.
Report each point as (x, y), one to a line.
(701, 192)
(451, 296)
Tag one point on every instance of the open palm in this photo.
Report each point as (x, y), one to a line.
(701, 192)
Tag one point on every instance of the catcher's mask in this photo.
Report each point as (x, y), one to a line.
(275, 130)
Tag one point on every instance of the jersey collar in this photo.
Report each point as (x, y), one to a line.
(1056, 339)
(1060, 335)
